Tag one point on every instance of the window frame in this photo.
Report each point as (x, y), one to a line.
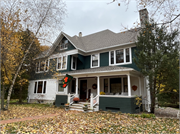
(72, 63)
(61, 62)
(58, 87)
(63, 44)
(98, 60)
(39, 65)
(124, 55)
(36, 85)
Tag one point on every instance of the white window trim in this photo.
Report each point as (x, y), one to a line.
(64, 45)
(42, 87)
(61, 92)
(62, 63)
(98, 60)
(44, 67)
(124, 53)
(72, 63)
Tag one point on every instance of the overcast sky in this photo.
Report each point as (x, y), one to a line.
(91, 16)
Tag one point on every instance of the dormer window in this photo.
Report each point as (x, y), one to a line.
(94, 60)
(63, 44)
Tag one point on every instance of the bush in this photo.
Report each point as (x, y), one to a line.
(144, 115)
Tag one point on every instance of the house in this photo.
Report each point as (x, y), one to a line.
(99, 62)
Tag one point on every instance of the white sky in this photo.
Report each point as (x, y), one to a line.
(91, 16)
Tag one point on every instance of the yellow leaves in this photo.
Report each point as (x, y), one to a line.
(174, 90)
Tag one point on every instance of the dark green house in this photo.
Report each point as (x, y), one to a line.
(100, 63)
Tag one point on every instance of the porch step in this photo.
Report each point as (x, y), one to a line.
(79, 106)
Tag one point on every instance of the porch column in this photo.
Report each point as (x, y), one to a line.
(98, 86)
(129, 85)
(76, 86)
(139, 85)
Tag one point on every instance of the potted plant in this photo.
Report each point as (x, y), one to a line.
(76, 99)
(66, 106)
(85, 108)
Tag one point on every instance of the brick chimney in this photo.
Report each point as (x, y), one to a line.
(80, 34)
(144, 17)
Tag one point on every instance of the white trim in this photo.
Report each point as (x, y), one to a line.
(72, 63)
(69, 40)
(39, 61)
(129, 85)
(124, 55)
(71, 52)
(118, 96)
(98, 60)
(42, 86)
(61, 63)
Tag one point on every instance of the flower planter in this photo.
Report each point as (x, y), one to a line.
(85, 109)
(66, 107)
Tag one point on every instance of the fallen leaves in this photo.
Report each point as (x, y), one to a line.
(94, 122)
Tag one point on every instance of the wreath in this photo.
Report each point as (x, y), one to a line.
(134, 88)
(94, 86)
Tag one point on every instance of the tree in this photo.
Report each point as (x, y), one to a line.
(157, 53)
(38, 16)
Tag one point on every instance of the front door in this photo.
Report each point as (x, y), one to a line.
(83, 89)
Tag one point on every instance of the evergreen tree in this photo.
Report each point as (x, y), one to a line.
(156, 57)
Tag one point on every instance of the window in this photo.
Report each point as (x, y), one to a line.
(42, 66)
(115, 85)
(62, 63)
(63, 44)
(40, 87)
(95, 60)
(121, 56)
(106, 85)
(73, 63)
(60, 89)
(125, 84)
(127, 55)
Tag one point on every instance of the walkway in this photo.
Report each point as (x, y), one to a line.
(27, 118)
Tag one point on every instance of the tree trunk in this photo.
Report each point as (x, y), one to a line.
(19, 68)
(153, 96)
(2, 97)
(20, 94)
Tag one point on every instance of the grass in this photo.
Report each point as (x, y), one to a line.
(79, 122)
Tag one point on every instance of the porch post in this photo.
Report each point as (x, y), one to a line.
(98, 86)
(76, 86)
(139, 85)
(129, 85)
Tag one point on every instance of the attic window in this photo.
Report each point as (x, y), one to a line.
(63, 44)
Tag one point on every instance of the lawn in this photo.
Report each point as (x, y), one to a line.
(79, 122)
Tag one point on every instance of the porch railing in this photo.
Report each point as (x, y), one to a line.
(94, 100)
(70, 98)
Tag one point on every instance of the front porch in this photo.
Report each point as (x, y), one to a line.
(116, 85)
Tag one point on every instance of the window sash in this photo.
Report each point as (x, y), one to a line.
(119, 56)
(127, 55)
(64, 62)
(59, 63)
(95, 60)
(40, 87)
(73, 63)
(60, 89)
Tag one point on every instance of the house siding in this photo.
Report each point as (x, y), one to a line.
(104, 59)
(70, 47)
(115, 104)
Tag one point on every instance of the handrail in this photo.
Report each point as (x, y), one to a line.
(71, 98)
(96, 98)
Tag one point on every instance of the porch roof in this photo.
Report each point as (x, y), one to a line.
(97, 70)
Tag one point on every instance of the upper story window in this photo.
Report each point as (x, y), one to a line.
(73, 62)
(121, 56)
(40, 87)
(94, 60)
(61, 63)
(63, 44)
(42, 66)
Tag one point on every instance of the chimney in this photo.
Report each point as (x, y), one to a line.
(144, 17)
(80, 34)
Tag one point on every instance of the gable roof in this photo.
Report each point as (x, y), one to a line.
(96, 41)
